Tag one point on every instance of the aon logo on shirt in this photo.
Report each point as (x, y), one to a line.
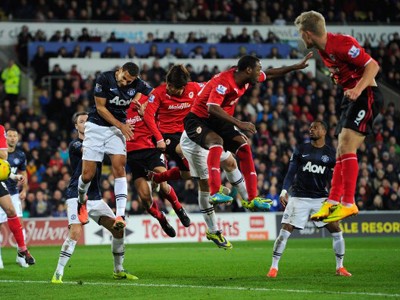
(314, 168)
(120, 102)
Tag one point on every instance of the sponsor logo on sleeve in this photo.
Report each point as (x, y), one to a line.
(221, 89)
(151, 98)
(354, 52)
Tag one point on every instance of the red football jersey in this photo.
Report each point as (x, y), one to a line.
(165, 113)
(142, 138)
(345, 58)
(221, 90)
(3, 140)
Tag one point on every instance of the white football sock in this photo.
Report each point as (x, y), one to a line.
(121, 191)
(82, 187)
(338, 247)
(67, 249)
(207, 210)
(279, 247)
(118, 251)
(236, 179)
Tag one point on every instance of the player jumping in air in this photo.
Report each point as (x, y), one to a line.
(143, 156)
(355, 71)
(211, 124)
(106, 131)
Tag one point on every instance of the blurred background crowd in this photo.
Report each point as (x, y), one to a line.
(282, 109)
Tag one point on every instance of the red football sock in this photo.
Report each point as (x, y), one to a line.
(171, 174)
(15, 227)
(172, 198)
(214, 172)
(336, 191)
(154, 211)
(349, 178)
(248, 170)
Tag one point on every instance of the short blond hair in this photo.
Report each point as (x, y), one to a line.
(311, 21)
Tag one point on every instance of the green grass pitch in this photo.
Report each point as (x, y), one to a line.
(202, 271)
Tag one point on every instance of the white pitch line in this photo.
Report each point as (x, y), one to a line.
(233, 288)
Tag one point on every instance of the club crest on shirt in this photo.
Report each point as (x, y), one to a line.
(354, 52)
(98, 88)
(191, 94)
(199, 130)
(131, 92)
(16, 161)
(221, 89)
(332, 57)
(167, 142)
(325, 158)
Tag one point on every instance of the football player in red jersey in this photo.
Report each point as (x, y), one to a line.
(355, 71)
(143, 156)
(6, 204)
(167, 106)
(211, 124)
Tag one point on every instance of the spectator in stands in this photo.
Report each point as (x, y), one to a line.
(178, 53)
(197, 53)
(132, 53)
(24, 37)
(274, 53)
(152, 39)
(11, 76)
(243, 37)
(40, 206)
(272, 38)
(256, 37)
(241, 52)
(67, 37)
(109, 53)
(88, 52)
(213, 53)
(228, 37)
(84, 37)
(168, 54)
(192, 38)
(171, 38)
(62, 53)
(39, 36)
(153, 52)
(114, 39)
(56, 37)
(76, 52)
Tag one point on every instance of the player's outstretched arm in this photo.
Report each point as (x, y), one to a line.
(276, 72)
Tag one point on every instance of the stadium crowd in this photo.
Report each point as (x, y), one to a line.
(279, 12)
(282, 109)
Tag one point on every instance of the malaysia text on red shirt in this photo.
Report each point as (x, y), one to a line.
(165, 113)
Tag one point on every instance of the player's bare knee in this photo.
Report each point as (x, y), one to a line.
(333, 227)
(229, 164)
(75, 232)
(164, 187)
(10, 211)
(203, 185)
